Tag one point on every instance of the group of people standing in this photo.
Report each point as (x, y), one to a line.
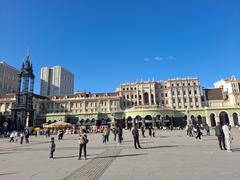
(195, 130)
(224, 136)
(117, 133)
(23, 134)
(151, 131)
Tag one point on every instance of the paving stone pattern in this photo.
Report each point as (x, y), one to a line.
(96, 167)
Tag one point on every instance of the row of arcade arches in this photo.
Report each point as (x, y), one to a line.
(223, 117)
(148, 120)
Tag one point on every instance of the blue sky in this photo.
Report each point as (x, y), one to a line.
(108, 42)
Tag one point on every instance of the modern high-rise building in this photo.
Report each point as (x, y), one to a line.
(8, 78)
(56, 81)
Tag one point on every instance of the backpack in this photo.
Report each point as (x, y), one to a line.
(85, 139)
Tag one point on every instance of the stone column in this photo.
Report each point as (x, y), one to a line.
(126, 123)
(231, 121)
(133, 121)
(137, 97)
(142, 97)
(154, 122)
(217, 119)
(149, 97)
(109, 106)
(208, 120)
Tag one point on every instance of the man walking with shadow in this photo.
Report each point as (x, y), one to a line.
(219, 133)
(135, 134)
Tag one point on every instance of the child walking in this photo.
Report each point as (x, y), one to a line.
(52, 147)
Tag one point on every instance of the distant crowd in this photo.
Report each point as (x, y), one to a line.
(223, 133)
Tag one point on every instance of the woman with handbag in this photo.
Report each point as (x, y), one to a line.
(82, 144)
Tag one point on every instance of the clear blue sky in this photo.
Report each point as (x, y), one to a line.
(107, 42)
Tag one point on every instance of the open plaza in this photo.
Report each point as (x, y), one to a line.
(119, 90)
(171, 155)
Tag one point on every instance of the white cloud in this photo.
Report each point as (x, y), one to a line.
(157, 58)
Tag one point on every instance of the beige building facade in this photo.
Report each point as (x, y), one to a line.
(145, 102)
(231, 90)
(56, 81)
(8, 78)
(181, 93)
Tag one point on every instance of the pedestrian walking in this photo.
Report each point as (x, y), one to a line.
(105, 134)
(150, 131)
(82, 144)
(108, 134)
(153, 131)
(11, 137)
(199, 133)
(27, 136)
(135, 134)
(207, 129)
(143, 131)
(59, 134)
(114, 131)
(227, 136)
(120, 135)
(52, 147)
(220, 135)
(188, 130)
(21, 137)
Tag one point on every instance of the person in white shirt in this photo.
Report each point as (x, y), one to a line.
(227, 136)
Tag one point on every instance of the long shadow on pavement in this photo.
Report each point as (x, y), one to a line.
(235, 149)
(156, 147)
(73, 156)
(123, 155)
(5, 174)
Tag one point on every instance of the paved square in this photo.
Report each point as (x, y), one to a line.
(168, 156)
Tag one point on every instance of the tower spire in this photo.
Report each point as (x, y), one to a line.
(28, 51)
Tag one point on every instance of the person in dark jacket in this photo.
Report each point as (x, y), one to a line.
(52, 147)
(142, 130)
(199, 133)
(120, 135)
(219, 133)
(82, 144)
(27, 136)
(135, 134)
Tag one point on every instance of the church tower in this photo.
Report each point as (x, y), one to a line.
(22, 111)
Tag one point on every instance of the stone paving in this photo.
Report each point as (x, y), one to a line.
(168, 156)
